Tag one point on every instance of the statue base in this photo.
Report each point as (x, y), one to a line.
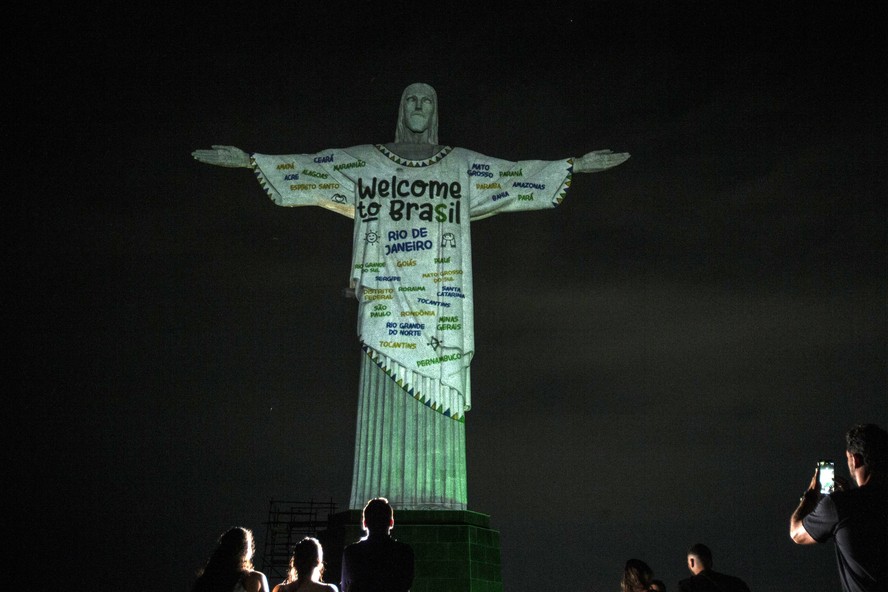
(455, 551)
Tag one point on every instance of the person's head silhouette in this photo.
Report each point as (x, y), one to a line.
(699, 558)
(306, 561)
(636, 576)
(378, 516)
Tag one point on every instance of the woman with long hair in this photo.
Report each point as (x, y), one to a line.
(637, 576)
(306, 569)
(230, 567)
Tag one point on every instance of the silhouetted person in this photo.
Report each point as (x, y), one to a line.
(230, 567)
(377, 563)
(637, 576)
(704, 578)
(856, 519)
(306, 569)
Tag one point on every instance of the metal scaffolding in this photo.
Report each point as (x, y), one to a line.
(288, 522)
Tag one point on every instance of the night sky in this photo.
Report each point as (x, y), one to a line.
(659, 361)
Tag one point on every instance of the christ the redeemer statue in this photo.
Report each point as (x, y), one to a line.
(412, 202)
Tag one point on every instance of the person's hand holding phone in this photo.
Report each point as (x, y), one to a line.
(814, 486)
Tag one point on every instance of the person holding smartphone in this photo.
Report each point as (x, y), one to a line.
(856, 519)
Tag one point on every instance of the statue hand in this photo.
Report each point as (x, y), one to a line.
(226, 156)
(599, 160)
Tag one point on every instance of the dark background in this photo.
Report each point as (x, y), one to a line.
(660, 361)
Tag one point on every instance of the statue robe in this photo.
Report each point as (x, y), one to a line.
(412, 276)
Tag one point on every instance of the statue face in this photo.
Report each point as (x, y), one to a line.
(419, 105)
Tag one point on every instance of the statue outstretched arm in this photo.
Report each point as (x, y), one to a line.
(226, 156)
(599, 160)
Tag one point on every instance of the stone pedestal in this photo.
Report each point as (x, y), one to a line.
(456, 551)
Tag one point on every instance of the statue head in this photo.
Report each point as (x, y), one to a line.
(418, 115)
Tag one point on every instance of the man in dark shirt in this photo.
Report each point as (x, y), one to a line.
(704, 578)
(377, 563)
(856, 519)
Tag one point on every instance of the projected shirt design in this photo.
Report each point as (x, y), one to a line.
(412, 253)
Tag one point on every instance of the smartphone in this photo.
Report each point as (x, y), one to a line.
(827, 475)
